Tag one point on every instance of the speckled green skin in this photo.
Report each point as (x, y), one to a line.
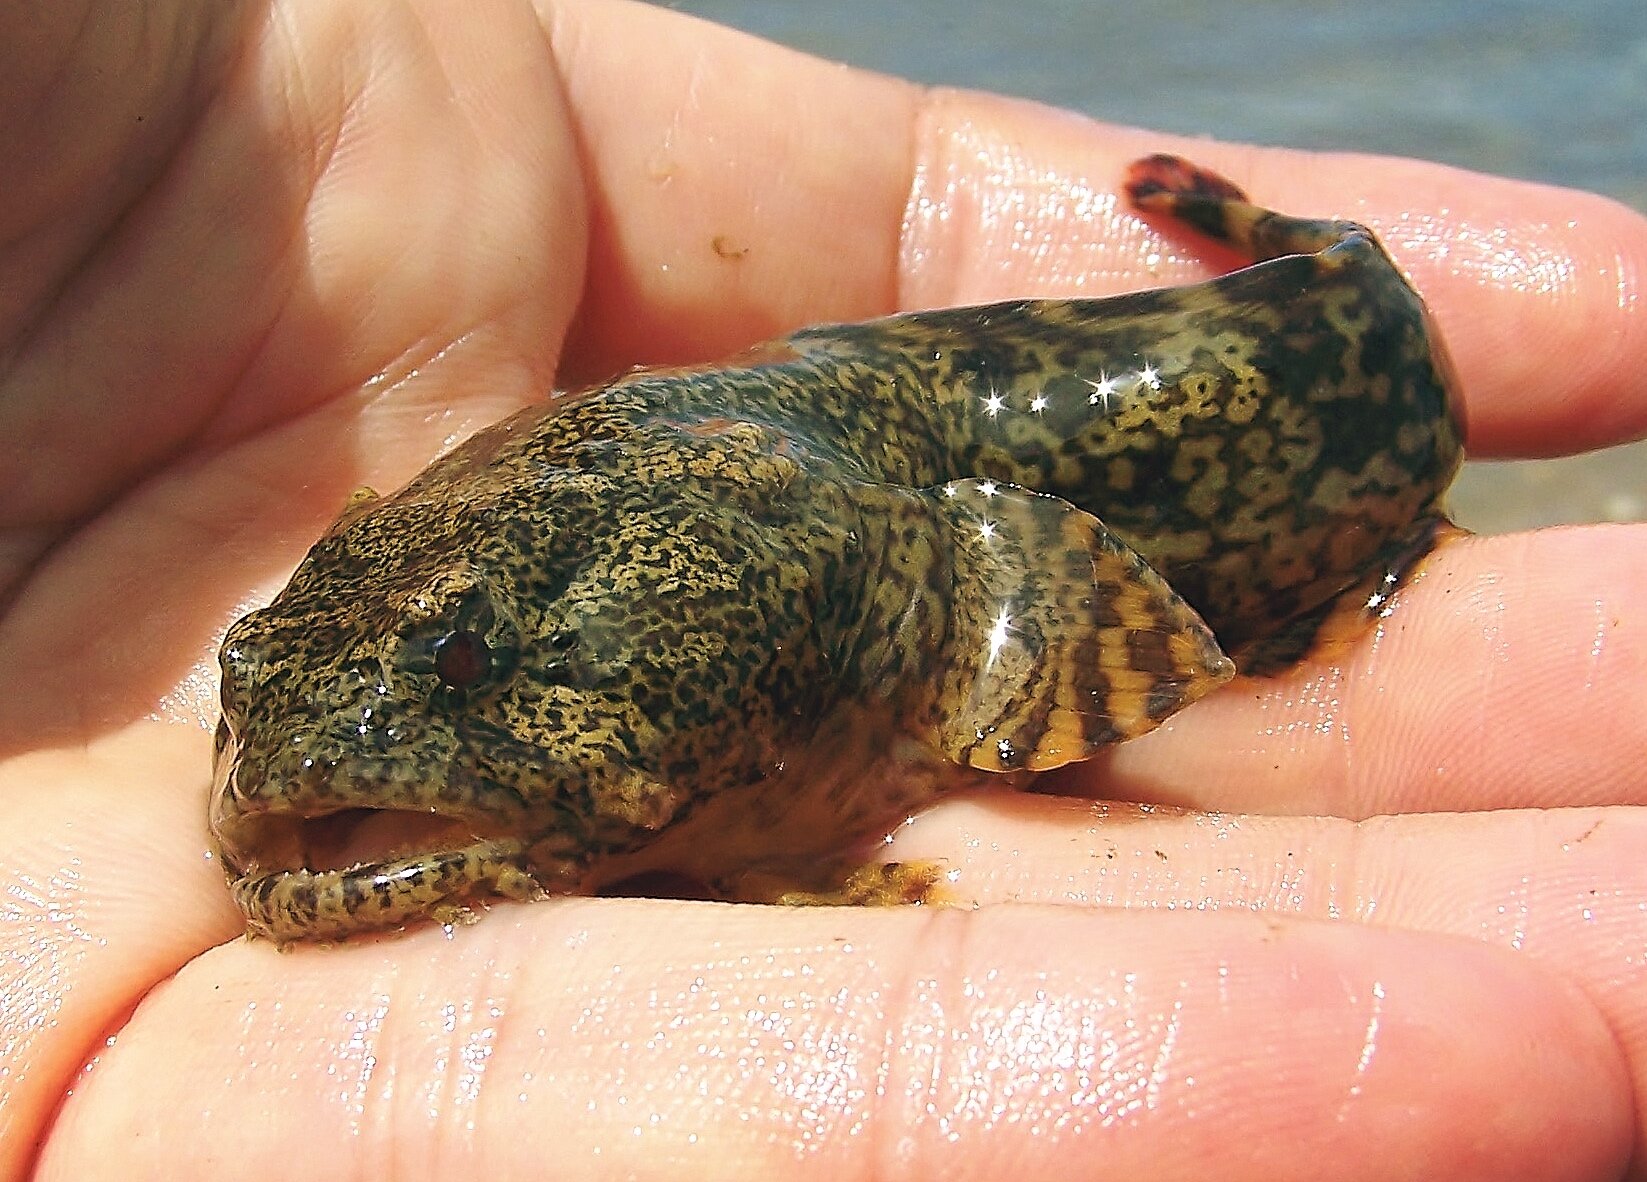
(726, 622)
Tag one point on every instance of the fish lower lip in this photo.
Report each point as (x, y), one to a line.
(300, 904)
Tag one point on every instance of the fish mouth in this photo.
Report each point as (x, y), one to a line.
(260, 844)
(324, 848)
(300, 875)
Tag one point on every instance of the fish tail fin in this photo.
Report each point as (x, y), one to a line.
(1217, 208)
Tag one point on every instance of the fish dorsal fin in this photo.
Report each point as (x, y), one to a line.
(1062, 639)
(362, 499)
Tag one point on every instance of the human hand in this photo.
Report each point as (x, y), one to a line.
(255, 258)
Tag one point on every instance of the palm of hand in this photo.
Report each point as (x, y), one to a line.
(352, 235)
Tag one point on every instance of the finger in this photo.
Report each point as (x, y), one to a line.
(849, 195)
(1503, 677)
(104, 891)
(1563, 887)
(615, 1038)
(737, 189)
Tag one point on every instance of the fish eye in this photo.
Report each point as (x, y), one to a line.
(462, 659)
(562, 641)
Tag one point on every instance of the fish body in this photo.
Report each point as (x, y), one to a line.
(726, 623)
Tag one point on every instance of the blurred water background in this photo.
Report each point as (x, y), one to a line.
(1528, 88)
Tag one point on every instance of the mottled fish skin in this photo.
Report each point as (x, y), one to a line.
(728, 622)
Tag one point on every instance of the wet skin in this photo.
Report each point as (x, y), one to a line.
(728, 623)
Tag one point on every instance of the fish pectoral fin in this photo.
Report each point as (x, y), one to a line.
(843, 883)
(1062, 638)
(621, 793)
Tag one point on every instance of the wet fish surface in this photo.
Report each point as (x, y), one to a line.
(730, 623)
